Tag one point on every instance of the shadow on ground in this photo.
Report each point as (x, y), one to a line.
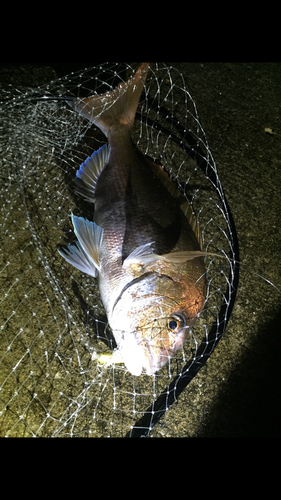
(250, 404)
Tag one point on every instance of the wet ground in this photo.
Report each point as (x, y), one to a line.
(238, 392)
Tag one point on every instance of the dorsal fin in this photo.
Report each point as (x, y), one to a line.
(164, 177)
(193, 221)
(170, 185)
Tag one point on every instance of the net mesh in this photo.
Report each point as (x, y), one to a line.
(51, 317)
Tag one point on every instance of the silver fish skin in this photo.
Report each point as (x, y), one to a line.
(144, 245)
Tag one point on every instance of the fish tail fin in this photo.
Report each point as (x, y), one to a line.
(116, 108)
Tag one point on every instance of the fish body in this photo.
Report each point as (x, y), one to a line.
(144, 245)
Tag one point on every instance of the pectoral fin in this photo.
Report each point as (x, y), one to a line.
(183, 256)
(143, 257)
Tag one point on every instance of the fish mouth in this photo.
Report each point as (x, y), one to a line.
(140, 357)
(154, 362)
(155, 358)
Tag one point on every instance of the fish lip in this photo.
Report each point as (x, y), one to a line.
(141, 358)
(152, 367)
(154, 362)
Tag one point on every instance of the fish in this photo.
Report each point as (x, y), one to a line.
(144, 244)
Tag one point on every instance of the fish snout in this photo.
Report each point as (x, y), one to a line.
(161, 348)
(147, 349)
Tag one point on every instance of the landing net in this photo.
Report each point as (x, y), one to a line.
(51, 317)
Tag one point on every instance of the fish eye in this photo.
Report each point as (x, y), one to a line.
(175, 323)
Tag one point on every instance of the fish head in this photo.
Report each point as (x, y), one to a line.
(152, 320)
